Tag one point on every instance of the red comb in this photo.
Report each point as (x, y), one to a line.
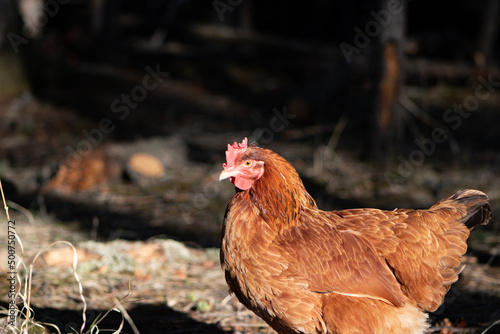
(233, 151)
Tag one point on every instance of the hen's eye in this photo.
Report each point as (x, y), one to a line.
(248, 163)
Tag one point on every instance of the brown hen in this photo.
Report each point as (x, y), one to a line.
(304, 270)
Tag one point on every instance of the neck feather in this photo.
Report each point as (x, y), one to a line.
(279, 194)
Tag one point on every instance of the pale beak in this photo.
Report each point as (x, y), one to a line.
(225, 174)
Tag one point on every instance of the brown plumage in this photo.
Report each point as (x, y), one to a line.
(304, 270)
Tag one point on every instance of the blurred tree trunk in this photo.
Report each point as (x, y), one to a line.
(387, 126)
(12, 77)
(104, 25)
(487, 34)
(21, 28)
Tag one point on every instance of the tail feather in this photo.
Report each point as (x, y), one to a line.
(475, 204)
(474, 209)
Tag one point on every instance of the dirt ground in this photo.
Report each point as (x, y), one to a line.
(147, 240)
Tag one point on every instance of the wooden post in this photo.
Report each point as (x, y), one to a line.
(388, 124)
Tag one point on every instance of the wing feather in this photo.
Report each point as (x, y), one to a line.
(423, 247)
(342, 262)
(379, 254)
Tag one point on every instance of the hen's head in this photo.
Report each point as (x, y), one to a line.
(240, 167)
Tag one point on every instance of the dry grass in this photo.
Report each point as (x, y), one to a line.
(25, 321)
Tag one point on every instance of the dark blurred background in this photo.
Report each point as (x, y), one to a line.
(121, 110)
(115, 115)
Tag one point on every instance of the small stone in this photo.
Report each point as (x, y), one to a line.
(144, 168)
